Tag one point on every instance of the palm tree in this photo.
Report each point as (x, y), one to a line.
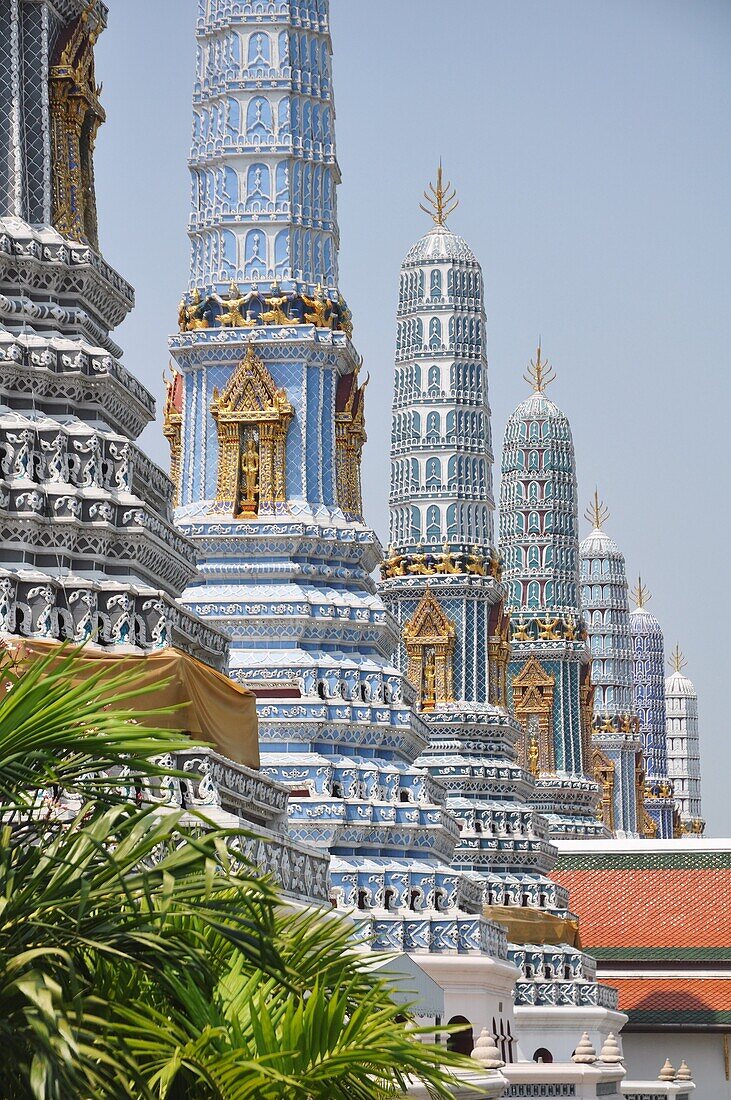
(138, 957)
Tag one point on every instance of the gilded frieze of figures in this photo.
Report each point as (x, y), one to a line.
(256, 307)
(553, 628)
(470, 562)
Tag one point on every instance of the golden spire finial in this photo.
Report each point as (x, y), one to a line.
(640, 594)
(597, 512)
(540, 373)
(677, 661)
(441, 202)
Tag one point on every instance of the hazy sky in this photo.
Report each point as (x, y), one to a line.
(589, 142)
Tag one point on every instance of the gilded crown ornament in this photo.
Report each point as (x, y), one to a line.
(442, 199)
(597, 513)
(640, 594)
(539, 374)
(677, 661)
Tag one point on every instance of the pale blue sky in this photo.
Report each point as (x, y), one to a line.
(589, 142)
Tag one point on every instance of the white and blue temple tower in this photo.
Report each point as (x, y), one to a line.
(265, 418)
(549, 681)
(442, 581)
(616, 743)
(88, 549)
(683, 746)
(649, 692)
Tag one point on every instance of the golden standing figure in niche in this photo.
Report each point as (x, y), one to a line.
(429, 694)
(571, 629)
(249, 481)
(533, 755)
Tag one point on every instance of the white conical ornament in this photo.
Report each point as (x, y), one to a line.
(485, 1051)
(584, 1052)
(667, 1073)
(684, 1073)
(610, 1052)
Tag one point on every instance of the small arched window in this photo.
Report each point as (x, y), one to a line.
(436, 283)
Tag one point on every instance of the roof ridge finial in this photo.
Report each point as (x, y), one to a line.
(441, 202)
(640, 594)
(540, 373)
(597, 512)
(677, 661)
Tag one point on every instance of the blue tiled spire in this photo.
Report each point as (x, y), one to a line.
(263, 165)
(549, 679)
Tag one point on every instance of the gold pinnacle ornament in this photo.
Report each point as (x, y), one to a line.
(597, 512)
(677, 661)
(640, 594)
(540, 374)
(441, 202)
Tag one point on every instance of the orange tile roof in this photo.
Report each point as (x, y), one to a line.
(663, 913)
(674, 1000)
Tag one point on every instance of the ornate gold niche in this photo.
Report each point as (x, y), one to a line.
(586, 710)
(429, 638)
(76, 115)
(646, 825)
(533, 704)
(498, 655)
(350, 435)
(253, 416)
(172, 427)
(603, 769)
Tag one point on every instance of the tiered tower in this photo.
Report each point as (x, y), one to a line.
(549, 680)
(649, 691)
(442, 580)
(88, 549)
(683, 746)
(266, 425)
(616, 743)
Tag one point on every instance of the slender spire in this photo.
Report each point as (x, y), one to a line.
(640, 594)
(677, 661)
(441, 202)
(540, 374)
(597, 512)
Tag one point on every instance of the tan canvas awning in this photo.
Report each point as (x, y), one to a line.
(212, 707)
(526, 925)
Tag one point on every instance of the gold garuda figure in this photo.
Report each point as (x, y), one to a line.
(394, 565)
(521, 632)
(475, 563)
(231, 315)
(547, 630)
(321, 309)
(191, 314)
(277, 314)
(419, 565)
(446, 562)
